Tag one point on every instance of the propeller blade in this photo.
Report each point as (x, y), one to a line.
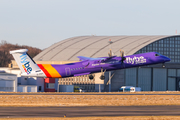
(122, 53)
(110, 53)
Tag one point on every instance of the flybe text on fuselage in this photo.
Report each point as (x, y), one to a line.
(26, 64)
(135, 60)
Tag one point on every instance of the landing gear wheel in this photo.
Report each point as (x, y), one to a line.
(102, 77)
(91, 77)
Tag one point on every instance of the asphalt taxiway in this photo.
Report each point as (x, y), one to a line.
(24, 112)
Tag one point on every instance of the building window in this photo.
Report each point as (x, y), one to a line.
(168, 46)
(50, 85)
(6, 88)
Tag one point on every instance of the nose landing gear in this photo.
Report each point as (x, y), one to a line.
(163, 65)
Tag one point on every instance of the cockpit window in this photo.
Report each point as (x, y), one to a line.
(157, 54)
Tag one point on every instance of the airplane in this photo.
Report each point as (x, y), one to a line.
(86, 65)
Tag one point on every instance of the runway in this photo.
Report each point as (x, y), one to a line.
(24, 112)
(88, 93)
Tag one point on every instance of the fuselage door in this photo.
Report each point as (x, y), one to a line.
(68, 71)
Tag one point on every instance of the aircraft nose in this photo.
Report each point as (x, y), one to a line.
(166, 59)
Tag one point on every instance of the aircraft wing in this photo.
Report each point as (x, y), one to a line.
(82, 58)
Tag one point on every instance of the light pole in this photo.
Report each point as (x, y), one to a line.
(110, 42)
(58, 86)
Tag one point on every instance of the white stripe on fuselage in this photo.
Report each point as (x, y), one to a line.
(111, 62)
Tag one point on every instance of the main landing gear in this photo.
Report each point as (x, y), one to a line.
(91, 77)
(102, 77)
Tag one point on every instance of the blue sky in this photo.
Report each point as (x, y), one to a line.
(41, 23)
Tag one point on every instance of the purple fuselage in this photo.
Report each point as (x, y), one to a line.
(93, 66)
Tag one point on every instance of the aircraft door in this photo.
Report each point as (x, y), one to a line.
(68, 71)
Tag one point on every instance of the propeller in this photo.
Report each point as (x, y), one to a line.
(122, 56)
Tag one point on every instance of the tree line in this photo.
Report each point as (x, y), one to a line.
(6, 57)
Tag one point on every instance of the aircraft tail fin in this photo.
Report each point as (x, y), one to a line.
(26, 64)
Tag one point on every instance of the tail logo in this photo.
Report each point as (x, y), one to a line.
(26, 64)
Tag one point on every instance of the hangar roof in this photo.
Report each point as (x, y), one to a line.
(94, 46)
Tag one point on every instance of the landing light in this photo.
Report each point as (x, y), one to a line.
(163, 65)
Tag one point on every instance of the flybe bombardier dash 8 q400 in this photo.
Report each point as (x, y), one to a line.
(86, 65)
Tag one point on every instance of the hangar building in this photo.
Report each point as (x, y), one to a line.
(12, 81)
(8, 82)
(150, 78)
